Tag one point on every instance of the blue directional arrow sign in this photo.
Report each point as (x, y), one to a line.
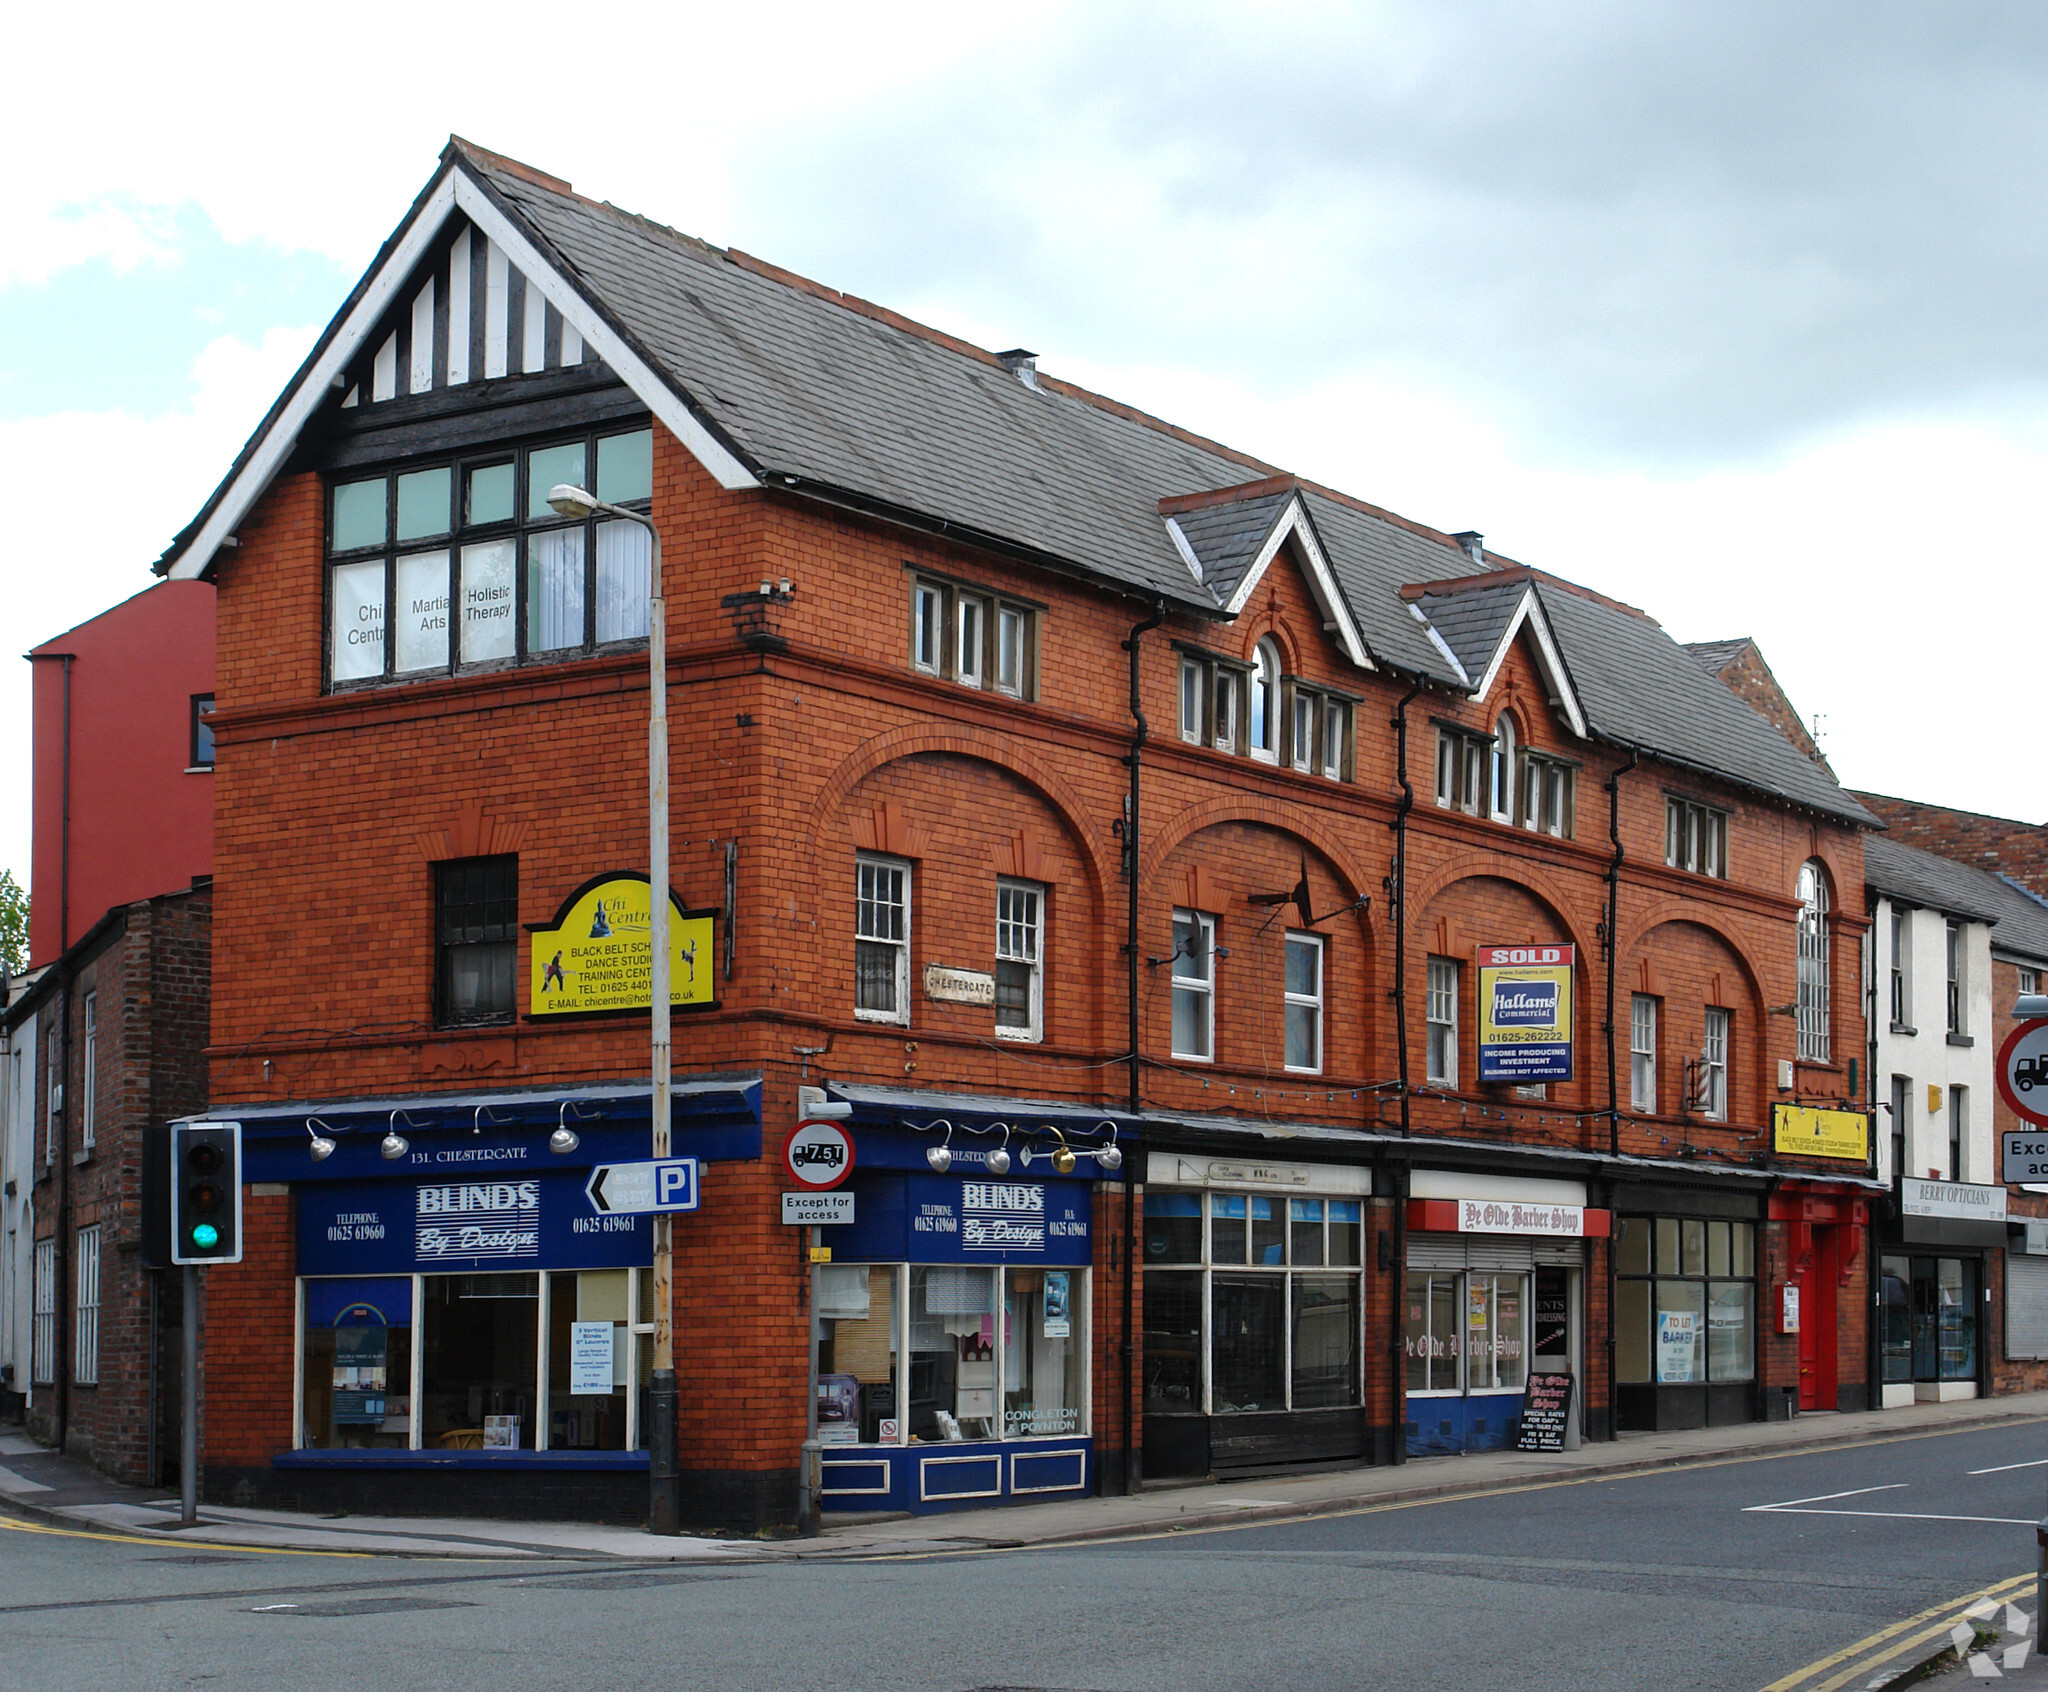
(638, 1189)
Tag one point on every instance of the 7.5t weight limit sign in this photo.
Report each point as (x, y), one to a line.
(2023, 1084)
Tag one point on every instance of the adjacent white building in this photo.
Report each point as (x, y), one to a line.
(17, 1208)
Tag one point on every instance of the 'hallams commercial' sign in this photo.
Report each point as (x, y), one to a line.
(1525, 1013)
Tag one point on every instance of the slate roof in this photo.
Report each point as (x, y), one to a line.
(1938, 884)
(2022, 929)
(1227, 537)
(822, 394)
(1716, 655)
(1640, 687)
(1472, 622)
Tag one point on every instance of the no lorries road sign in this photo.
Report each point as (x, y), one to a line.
(2022, 1072)
(628, 1189)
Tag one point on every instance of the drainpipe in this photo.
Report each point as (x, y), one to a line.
(1612, 943)
(64, 838)
(1397, 896)
(60, 1246)
(1397, 890)
(1132, 761)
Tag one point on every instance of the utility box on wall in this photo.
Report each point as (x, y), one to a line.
(1788, 1308)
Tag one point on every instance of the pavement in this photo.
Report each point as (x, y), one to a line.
(58, 1491)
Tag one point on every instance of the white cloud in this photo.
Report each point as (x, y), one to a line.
(111, 491)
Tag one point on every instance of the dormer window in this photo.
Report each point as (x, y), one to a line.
(439, 568)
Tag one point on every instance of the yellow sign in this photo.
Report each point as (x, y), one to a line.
(1804, 1131)
(594, 958)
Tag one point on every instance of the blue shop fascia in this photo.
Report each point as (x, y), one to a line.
(952, 1325)
(474, 1333)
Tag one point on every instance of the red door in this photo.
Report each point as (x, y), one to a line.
(1817, 1289)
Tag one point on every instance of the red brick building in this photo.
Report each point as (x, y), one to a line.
(117, 1034)
(1417, 953)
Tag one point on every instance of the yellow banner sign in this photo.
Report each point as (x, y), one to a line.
(1803, 1131)
(594, 959)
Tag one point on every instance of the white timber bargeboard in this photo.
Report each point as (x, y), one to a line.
(455, 192)
(1322, 581)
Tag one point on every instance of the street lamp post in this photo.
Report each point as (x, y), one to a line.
(663, 1513)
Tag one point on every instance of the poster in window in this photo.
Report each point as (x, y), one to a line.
(1057, 1320)
(360, 1371)
(1677, 1331)
(595, 958)
(590, 1357)
(1525, 1013)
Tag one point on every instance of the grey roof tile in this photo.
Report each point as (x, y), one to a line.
(1716, 655)
(1473, 621)
(1229, 536)
(1923, 878)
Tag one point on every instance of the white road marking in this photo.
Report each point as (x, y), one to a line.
(2037, 1463)
(1898, 1515)
(1824, 1497)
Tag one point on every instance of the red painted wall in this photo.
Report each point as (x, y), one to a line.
(141, 823)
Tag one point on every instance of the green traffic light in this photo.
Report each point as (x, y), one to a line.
(206, 1236)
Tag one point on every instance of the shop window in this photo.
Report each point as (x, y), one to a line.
(1813, 960)
(1304, 1003)
(1431, 1334)
(357, 1366)
(590, 1360)
(1713, 1096)
(1642, 1053)
(989, 1353)
(1194, 986)
(85, 1342)
(89, 1073)
(1441, 1019)
(1685, 1296)
(200, 750)
(881, 944)
(1274, 1306)
(1020, 981)
(1928, 1319)
(450, 566)
(43, 1337)
(477, 933)
(973, 637)
(480, 1361)
(1695, 837)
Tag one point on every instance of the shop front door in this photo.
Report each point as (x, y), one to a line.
(1817, 1289)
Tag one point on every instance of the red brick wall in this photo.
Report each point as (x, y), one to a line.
(820, 741)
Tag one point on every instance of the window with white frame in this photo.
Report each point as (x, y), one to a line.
(1463, 762)
(1320, 737)
(1713, 1097)
(1958, 1131)
(1501, 789)
(1304, 1002)
(1262, 718)
(881, 944)
(1194, 701)
(1465, 1332)
(972, 636)
(1902, 979)
(1441, 1018)
(1020, 980)
(1211, 692)
(1642, 1053)
(85, 1348)
(1695, 837)
(2028, 980)
(1812, 1004)
(43, 1335)
(88, 1073)
(1548, 795)
(1953, 941)
(1194, 985)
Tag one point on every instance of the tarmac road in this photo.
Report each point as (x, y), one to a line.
(1721, 1576)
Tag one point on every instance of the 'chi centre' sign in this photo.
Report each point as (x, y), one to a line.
(596, 958)
(1525, 1013)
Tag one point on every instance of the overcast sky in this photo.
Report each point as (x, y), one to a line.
(1732, 310)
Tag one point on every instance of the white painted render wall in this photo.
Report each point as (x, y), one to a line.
(1925, 1056)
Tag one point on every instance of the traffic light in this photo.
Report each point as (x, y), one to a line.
(206, 1192)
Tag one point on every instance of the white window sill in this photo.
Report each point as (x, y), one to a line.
(199, 769)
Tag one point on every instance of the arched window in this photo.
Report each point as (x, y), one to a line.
(1263, 725)
(1503, 784)
(1813, 964)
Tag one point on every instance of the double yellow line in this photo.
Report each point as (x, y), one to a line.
(15, 1525)
(1889, 1644)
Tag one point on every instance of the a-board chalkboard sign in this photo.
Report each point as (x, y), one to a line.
(1546, 1403)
